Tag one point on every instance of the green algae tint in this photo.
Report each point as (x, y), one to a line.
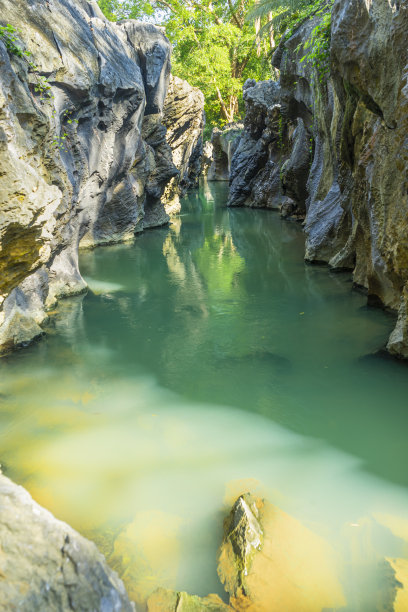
(208, 360)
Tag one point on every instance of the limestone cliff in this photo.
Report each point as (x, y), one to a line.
(184, 120)
(83, 149)
(332, 147)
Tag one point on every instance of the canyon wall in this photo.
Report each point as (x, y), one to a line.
(84, 153)
(328, 143)
(184, 119)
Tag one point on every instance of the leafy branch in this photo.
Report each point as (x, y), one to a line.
(317, 48)
(9, 37)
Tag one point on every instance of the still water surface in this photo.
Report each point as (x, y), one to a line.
(207, 360)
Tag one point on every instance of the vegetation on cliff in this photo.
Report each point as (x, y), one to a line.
(219, 45)
(216, 47)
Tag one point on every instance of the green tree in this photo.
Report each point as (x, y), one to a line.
(115, 10)
(215, 47)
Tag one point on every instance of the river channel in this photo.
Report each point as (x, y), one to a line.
(208, 359)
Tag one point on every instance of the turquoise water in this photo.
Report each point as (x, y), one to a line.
(208, 359)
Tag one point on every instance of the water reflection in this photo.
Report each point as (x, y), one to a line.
(208, 359)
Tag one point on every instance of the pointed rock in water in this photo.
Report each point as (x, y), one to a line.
(243, 537)
(47, 566)
(269, 562)
(165, 600)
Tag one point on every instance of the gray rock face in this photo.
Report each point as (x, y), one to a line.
(46, 565)
(83, 163)
(184, 120)
(255, 177)
(341, 145)
(224, 142)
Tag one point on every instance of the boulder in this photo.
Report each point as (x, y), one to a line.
(165, 600)
(270, 562)
(46, 565)
(261, 160)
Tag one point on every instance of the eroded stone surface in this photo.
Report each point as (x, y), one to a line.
(85, 167)
(337, 151)
(46, 565)
(184, 120)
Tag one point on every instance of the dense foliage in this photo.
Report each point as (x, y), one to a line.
(218, 44)
(215, 46)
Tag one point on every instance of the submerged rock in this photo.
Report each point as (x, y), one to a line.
(270, 562)
(46, 565)
(258, 359)
(165, 600)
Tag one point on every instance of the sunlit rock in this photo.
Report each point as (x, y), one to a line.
(331, 146)
(270, 562)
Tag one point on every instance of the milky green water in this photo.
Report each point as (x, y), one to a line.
(207, 360)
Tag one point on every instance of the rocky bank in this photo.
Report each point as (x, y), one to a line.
(84, 152)
(328, 144)
(46, 565)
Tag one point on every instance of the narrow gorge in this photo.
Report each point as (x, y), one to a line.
(203, 337)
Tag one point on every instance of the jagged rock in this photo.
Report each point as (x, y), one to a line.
(46, 565)
(161, 159)
(243, 538)
(165, 600)
(224, 141)
(258, 165)
(87, 165)
(270, 562)
(184, 119)
(338, 148)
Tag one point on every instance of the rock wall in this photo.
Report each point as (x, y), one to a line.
(333, 148)
(184, 119)
(83, 151)
(224, 142)
(46, 565)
